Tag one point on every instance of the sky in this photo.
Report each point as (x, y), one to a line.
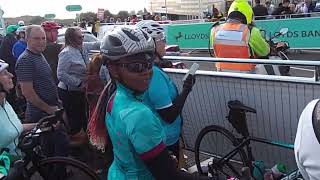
(16, 8)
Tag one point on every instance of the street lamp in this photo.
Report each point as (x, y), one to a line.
(200, 15)
(165, 6)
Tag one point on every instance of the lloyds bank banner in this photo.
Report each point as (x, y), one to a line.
(304, 33)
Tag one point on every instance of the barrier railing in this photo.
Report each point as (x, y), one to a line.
(278, 101)
(304, 15)
(315, 64)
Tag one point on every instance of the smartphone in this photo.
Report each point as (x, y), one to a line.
(192, 70)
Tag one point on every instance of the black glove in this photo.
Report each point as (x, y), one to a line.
(189, 82)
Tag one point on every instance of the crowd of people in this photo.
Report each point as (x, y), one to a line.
(286, 7)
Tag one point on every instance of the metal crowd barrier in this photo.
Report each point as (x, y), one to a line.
(278, 100)
(285, 16)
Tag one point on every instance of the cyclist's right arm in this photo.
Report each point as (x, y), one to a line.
(146, 136)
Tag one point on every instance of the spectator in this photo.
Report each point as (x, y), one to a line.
(118, 21)
(21, 44)
(270, 7)
(215, 12)
(302, 8)
(52, 48)
(72, 67)
(6, 54)
(283, 9)
(21, 23)
(259, 10)
(157, 18)
(6, 47)
(96, 27)
(83, 24)
(134, 19)
(34, 76)
(39, 89)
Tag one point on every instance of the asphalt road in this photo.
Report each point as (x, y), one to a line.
(293, 55)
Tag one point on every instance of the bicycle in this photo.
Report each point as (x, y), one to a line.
(35, 165)
(226, 163)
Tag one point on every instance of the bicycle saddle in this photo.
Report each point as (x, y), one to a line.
(237, 105)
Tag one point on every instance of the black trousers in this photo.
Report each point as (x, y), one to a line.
(75, 106)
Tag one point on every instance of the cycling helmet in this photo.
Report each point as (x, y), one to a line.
(12, 28)
(21, 29)
(3, 65)
(21, 23)
(125, 41)
(49, 25)
(243, 7)
(151, 27)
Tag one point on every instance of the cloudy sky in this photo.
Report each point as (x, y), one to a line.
(15, 8)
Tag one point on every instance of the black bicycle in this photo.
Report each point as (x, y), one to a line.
(35, 165)
(222, 163)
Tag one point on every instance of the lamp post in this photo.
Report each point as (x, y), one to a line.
(165, 4)
(200, 13)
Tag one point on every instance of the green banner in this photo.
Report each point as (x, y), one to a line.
(304, 33)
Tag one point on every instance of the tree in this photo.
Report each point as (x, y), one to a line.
(107, 13)
(123, 14)
(37, 20)
(132, 12)
(140, 12)
(88, 16)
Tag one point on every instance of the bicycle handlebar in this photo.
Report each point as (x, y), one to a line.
(45, 124)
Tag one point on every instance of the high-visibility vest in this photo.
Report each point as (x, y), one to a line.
(231, 40)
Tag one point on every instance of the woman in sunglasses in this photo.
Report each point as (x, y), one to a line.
(136, 134)
(162, 95)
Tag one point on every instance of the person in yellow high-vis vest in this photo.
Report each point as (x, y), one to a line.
(238, 38)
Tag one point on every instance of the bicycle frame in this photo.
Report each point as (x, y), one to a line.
(245, 142)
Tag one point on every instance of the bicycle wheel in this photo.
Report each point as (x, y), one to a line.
(64, 168)
(214, 142)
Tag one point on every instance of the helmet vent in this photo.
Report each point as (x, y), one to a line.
(115, 41)
(130, 35)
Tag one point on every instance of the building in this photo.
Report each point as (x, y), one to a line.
(185, 9)
(2, 25)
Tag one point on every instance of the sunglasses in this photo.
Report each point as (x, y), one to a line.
(137, 67)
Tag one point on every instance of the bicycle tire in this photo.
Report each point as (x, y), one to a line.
(231, 138)
(82, 168)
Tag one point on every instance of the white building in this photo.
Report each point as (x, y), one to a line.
(2, 25)
(189, 8)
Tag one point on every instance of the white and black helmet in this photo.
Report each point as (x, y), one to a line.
(151, 27)
(125, 41)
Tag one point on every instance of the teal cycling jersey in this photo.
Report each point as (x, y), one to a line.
(160, 95)
(135, 133)
(11, 129)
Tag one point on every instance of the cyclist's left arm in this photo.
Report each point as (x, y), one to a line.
(258, 44)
